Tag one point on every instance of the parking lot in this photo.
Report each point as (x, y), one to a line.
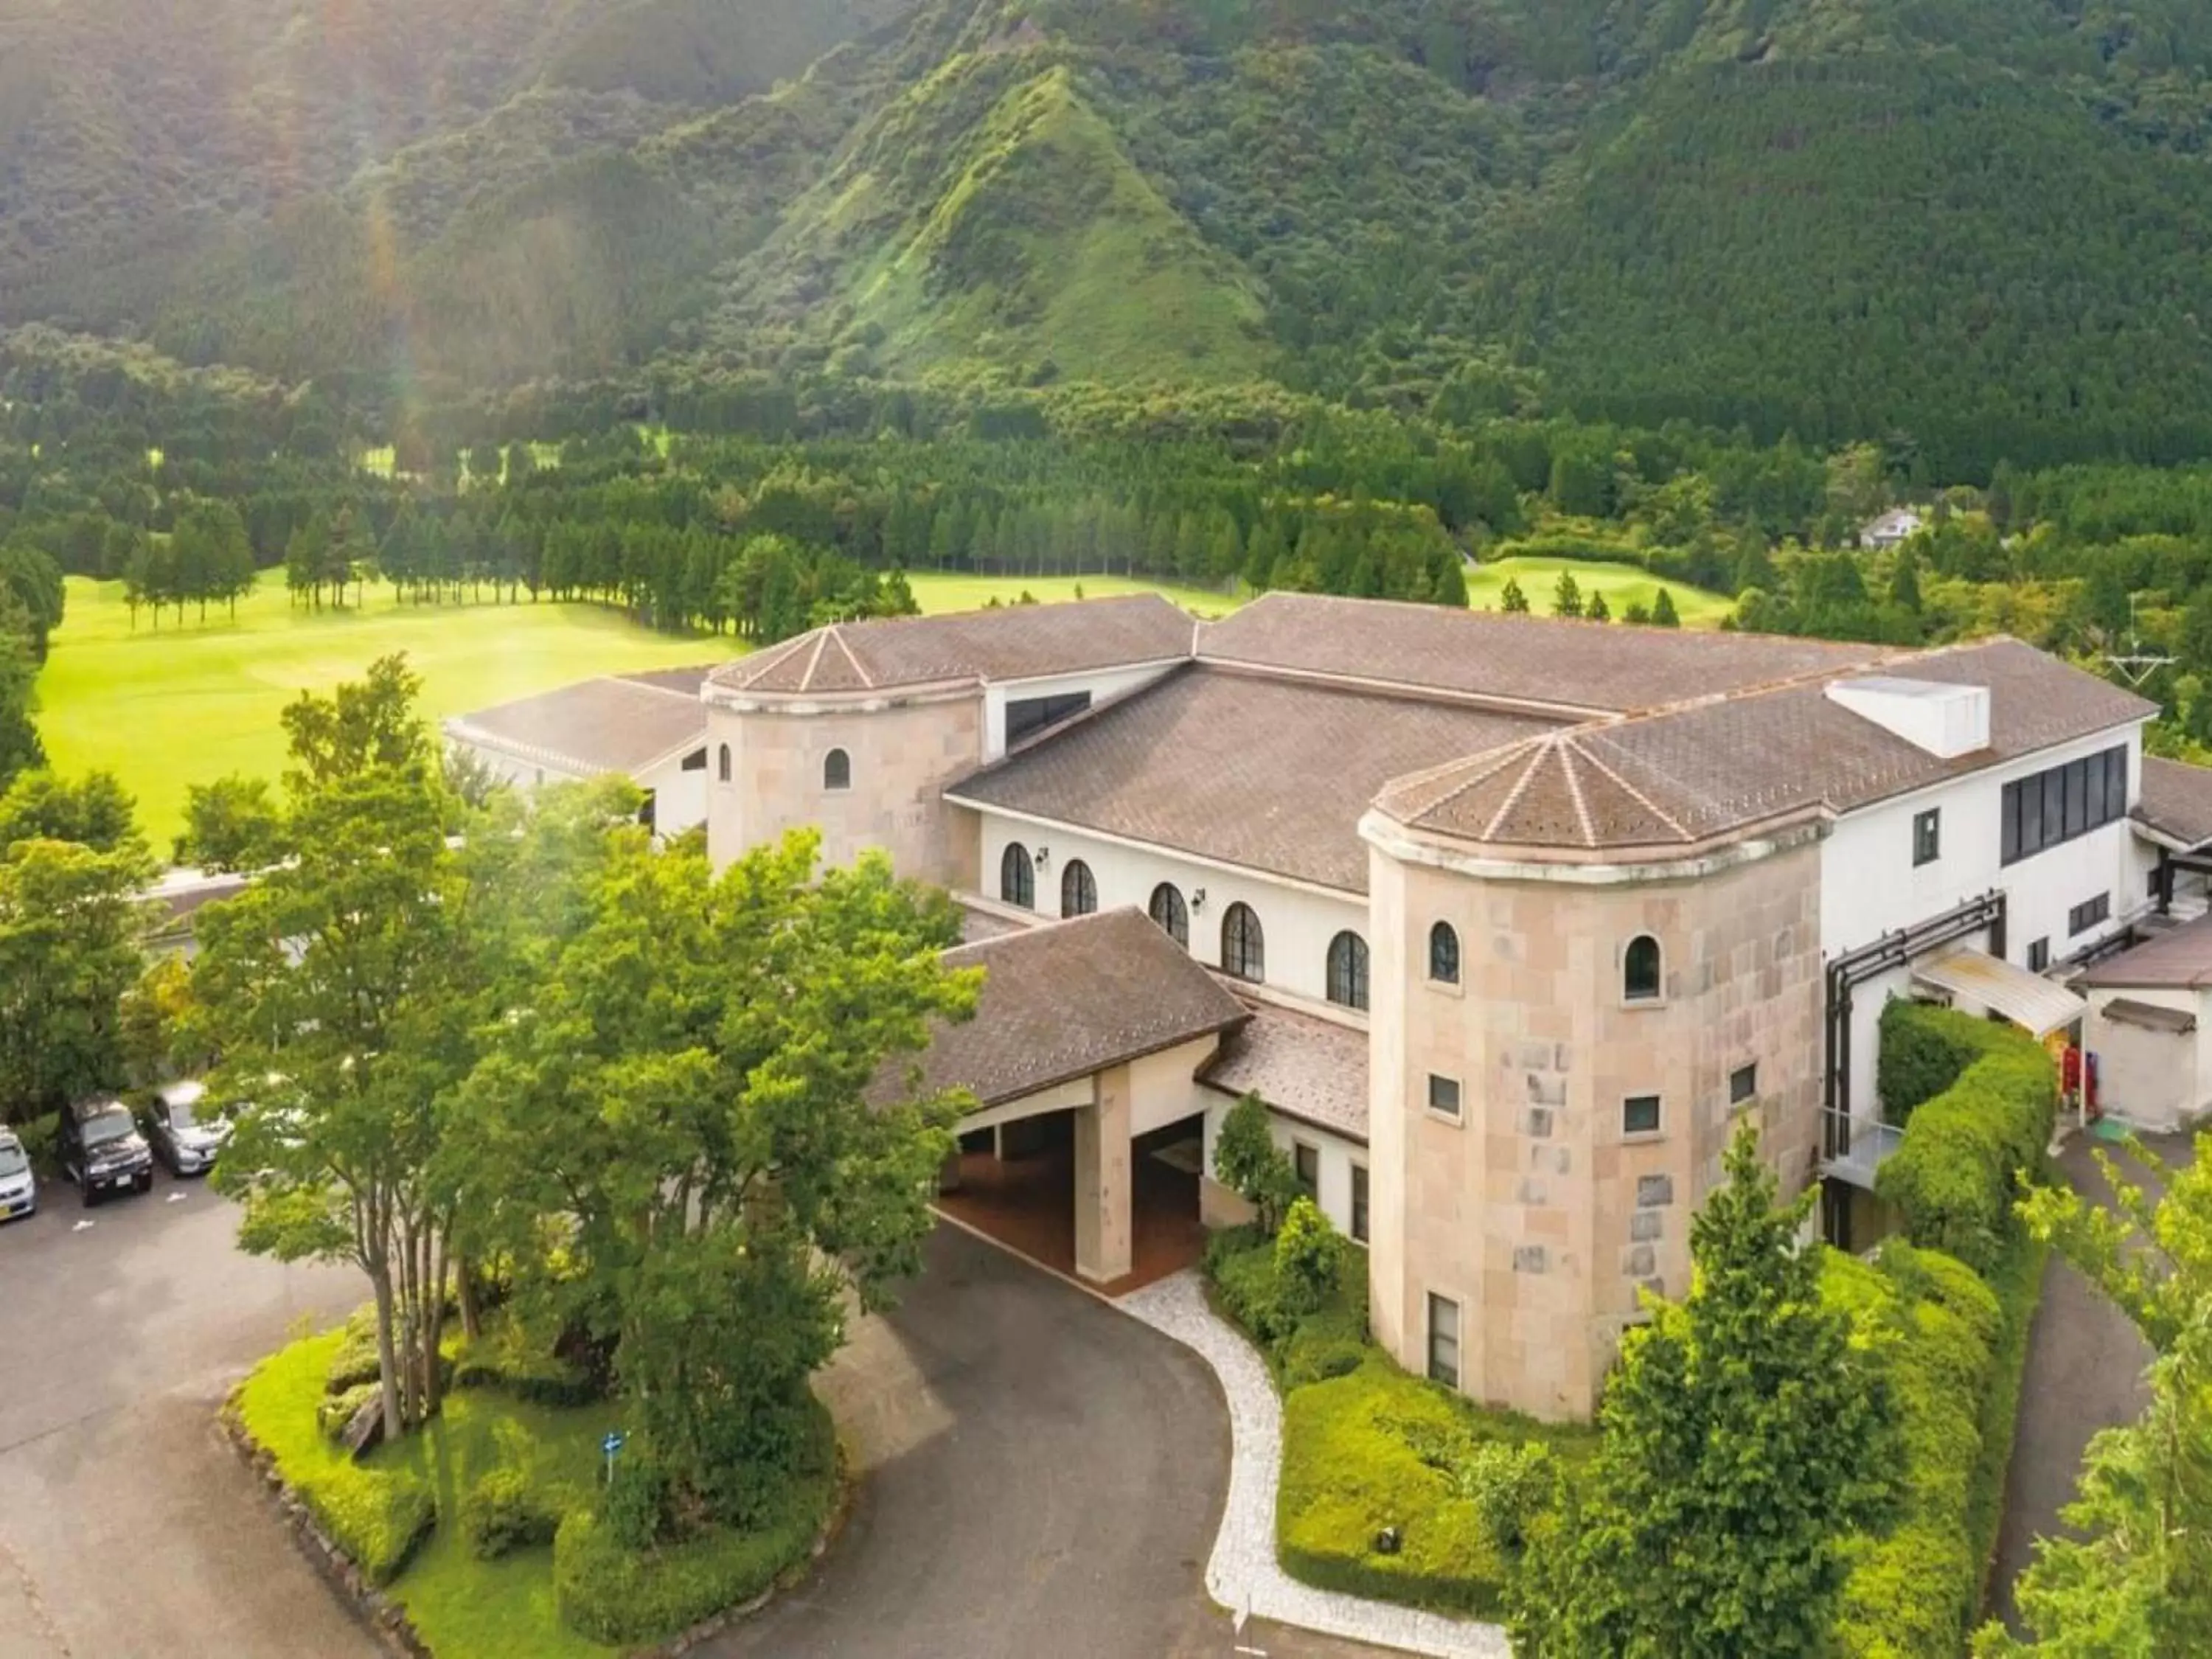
(127, 1526)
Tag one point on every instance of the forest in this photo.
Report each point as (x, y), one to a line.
(1968, 229)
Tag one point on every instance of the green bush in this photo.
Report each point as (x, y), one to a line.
(1923, 1048)
(41, 1138)
(1377, 1448)
(500, 1512)
(355, 1363)
(1916, 1588)
(1955, 1175)
(619, 1595)
(1309, 1256)
(506, 1357)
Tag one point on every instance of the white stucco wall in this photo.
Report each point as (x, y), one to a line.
(679, 797)
(1103, 684)
(1869, 886)
(1296, 922)
(1338, 1156)
(1163, 1087)
(2156, 1080)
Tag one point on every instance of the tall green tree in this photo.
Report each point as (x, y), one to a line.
(1746, 1435)
(21, 749)
(1566, 596)
(711, 1078)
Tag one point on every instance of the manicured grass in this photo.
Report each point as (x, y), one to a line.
(1623, 585)
(937, 592)
(169, 708)
(463, 1607)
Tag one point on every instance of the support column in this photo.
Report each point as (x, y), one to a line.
(1102, 1180)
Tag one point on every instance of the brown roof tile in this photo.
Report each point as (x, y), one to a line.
(2177, 800)
(1267, 775)
(597, 725)
(1303, 1067)
(1062, 1001)
(2178, 960)
(1517, 658)
(1011, 643)
(1688, 774)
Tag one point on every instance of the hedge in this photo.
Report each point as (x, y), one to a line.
(506, 1357)
(502, 1512)
(1916, 1588)
(1955, 1174)
(1300, 1346)
(618, 1595)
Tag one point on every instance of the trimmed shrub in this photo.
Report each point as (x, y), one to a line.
(1378, 1450)
(1922, 1050)
(1955, 1176)
(502, 1512)
(505, 1357)
(620, 1596)
(1309, 1256)
(1916, 1588)
(1241, 1262)
(354, 1362)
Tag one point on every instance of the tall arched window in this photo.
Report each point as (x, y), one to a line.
(1244, 947)
(1443, 954)
(1640, 969)
(1017, 877)
(722, 765)
(837, 770)
(1169, 910)
(1079, 893)
(1347, 971)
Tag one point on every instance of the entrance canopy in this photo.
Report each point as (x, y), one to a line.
(2028, 1001)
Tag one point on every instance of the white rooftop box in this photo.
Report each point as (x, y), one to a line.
(1945, 720)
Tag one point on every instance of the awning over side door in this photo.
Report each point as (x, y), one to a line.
(2028, 1001)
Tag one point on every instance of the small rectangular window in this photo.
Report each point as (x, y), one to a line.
(1359, 1203)
(2039, 955)
(1444, 1340)
(2090, 913)
(1443, 1094)
(1743, 1084)
(1639, 1115)
(1307, 1160)
(1928, 836)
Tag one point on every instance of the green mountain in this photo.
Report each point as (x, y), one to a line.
(1973, 228)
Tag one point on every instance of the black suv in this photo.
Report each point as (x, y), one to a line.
(102, 1151)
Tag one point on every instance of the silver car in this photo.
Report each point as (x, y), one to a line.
(19, 1188)
(183, 1132)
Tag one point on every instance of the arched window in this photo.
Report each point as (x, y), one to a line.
(1347, 971)
(1079, 893)
(722, 765)
(1244, 947)
(1017, 877)
(837, 770)
(1443, 954)
(1168, 910)
(1639, 971)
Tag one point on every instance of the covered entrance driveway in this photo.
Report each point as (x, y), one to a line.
(1085, 1147)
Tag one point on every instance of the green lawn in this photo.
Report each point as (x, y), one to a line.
(463, 1607)
(936, 592)
(164, 709)
(1623, 585)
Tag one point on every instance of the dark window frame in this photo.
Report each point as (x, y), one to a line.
(1017, 877)
(1636, 986)
(2062, 803)
(1079, 889)
(1630, 1110)
(695, 761)
(722, 767)
(2039, 955)
(1169, 909)
(1303, 1152)
(1347, 982)
(837, 771)
(2090, 913)
(1443, 954)
(1244, 945)
(1360, 1205)
(1027, 716)
(1743, 1084)
(1440, 1085)
(1927, 836)
(1443, 1369)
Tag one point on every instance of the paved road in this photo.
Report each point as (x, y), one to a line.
(2085, 1372)
(127, 1526)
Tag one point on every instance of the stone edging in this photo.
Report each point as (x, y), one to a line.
(1243, 1573)
(387, 1621)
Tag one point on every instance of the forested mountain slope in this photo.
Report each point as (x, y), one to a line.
(1976, 226)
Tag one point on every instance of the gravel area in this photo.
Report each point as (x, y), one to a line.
(1241, 1573)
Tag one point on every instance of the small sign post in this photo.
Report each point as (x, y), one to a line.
(610, 1445)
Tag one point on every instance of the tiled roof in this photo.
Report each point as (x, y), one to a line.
(1268, 774)
(2178, 960)
(1060, 1002)
(1519, 659)
(1011, 643)
(2177, 800)
(684, 681)
(597, 725)
(1303, 1067)
(1689, 774)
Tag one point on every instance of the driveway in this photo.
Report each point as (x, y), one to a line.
(127, 1525)
(2084, 1372)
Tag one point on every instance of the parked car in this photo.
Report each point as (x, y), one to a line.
(19, 1188)
(102, 1151)
(183, 1132)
